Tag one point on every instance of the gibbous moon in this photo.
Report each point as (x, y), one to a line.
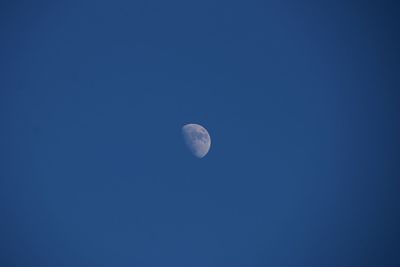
(197, 139)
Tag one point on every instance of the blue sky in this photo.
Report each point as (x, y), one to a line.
(300, 99)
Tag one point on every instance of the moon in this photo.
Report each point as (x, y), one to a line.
(196, 139)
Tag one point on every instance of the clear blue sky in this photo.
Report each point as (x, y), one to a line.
(301, 99)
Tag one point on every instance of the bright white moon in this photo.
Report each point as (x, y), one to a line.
(197, 139)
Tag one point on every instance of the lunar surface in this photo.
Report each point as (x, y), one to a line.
(197, 139)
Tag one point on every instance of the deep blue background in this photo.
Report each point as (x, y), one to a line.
(300, 98)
